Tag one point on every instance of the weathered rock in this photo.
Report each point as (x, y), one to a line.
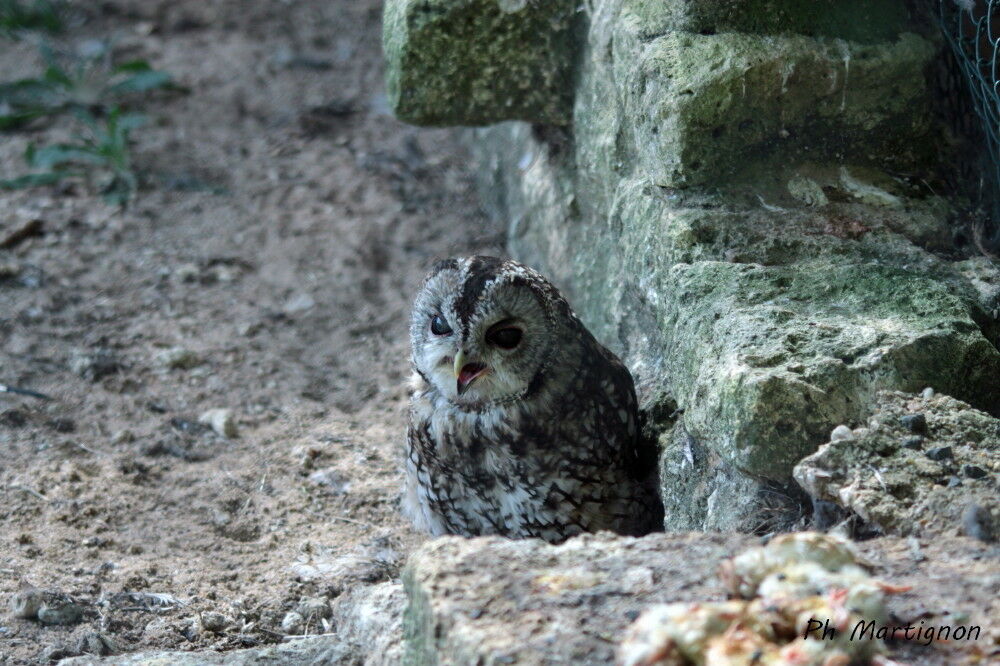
(492, 601)
(841, 432)
(474, 62)
(984, 275)
(905, 491)
(222, 421)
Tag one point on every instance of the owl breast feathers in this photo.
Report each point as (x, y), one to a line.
(521, 423)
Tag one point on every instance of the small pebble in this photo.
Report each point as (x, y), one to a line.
(212, 621)
(939, 453)
(954, 482)
(976, 523)
(177, 358)
(292, 624)
(54, 653)
(915, 423)
(221, 421)
(125, 436)
(916, 442)
(299, 304)
(187, 272)
(313, 609)
(973, 472)
(62, 611)
(331, 479)
(13, 418)
(96, 644)
(927, 393)
(841, 432)
(25, 604)
(95, 365)
(915, 552)
(159, 630)
(885, 447)
(62, 425)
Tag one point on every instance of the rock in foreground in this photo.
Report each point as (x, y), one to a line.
(491, 601)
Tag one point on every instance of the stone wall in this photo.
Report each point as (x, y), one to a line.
(738, 197)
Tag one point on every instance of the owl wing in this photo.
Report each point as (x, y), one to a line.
(610, 409)
(610, 423)
(420, 490)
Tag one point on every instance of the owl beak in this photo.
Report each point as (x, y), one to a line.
(466, 373)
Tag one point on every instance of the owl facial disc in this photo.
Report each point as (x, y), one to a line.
(482, 330)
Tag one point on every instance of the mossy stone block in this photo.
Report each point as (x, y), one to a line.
(705, 105)
(477, 62)
(854, 20)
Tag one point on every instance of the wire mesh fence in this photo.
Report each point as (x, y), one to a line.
(972, 29)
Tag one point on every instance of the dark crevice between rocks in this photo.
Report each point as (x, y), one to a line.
(826, 517)
(558, 140)
(696, 474)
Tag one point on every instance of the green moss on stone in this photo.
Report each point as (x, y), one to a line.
(476, 62)
(855, 20)
(703, 106)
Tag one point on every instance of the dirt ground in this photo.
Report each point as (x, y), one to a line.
(266, 268)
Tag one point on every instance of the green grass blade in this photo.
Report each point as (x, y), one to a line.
(141, 82)
(60, 154)
(33, 180)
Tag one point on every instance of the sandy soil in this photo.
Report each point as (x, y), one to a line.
(286, 221)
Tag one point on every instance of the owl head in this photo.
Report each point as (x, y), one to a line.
(484, 329)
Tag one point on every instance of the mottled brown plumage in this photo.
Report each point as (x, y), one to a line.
(521, 423)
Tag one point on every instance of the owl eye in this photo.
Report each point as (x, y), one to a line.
(506, 337)
(439, 326)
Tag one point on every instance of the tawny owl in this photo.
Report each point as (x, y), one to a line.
(521, 423)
